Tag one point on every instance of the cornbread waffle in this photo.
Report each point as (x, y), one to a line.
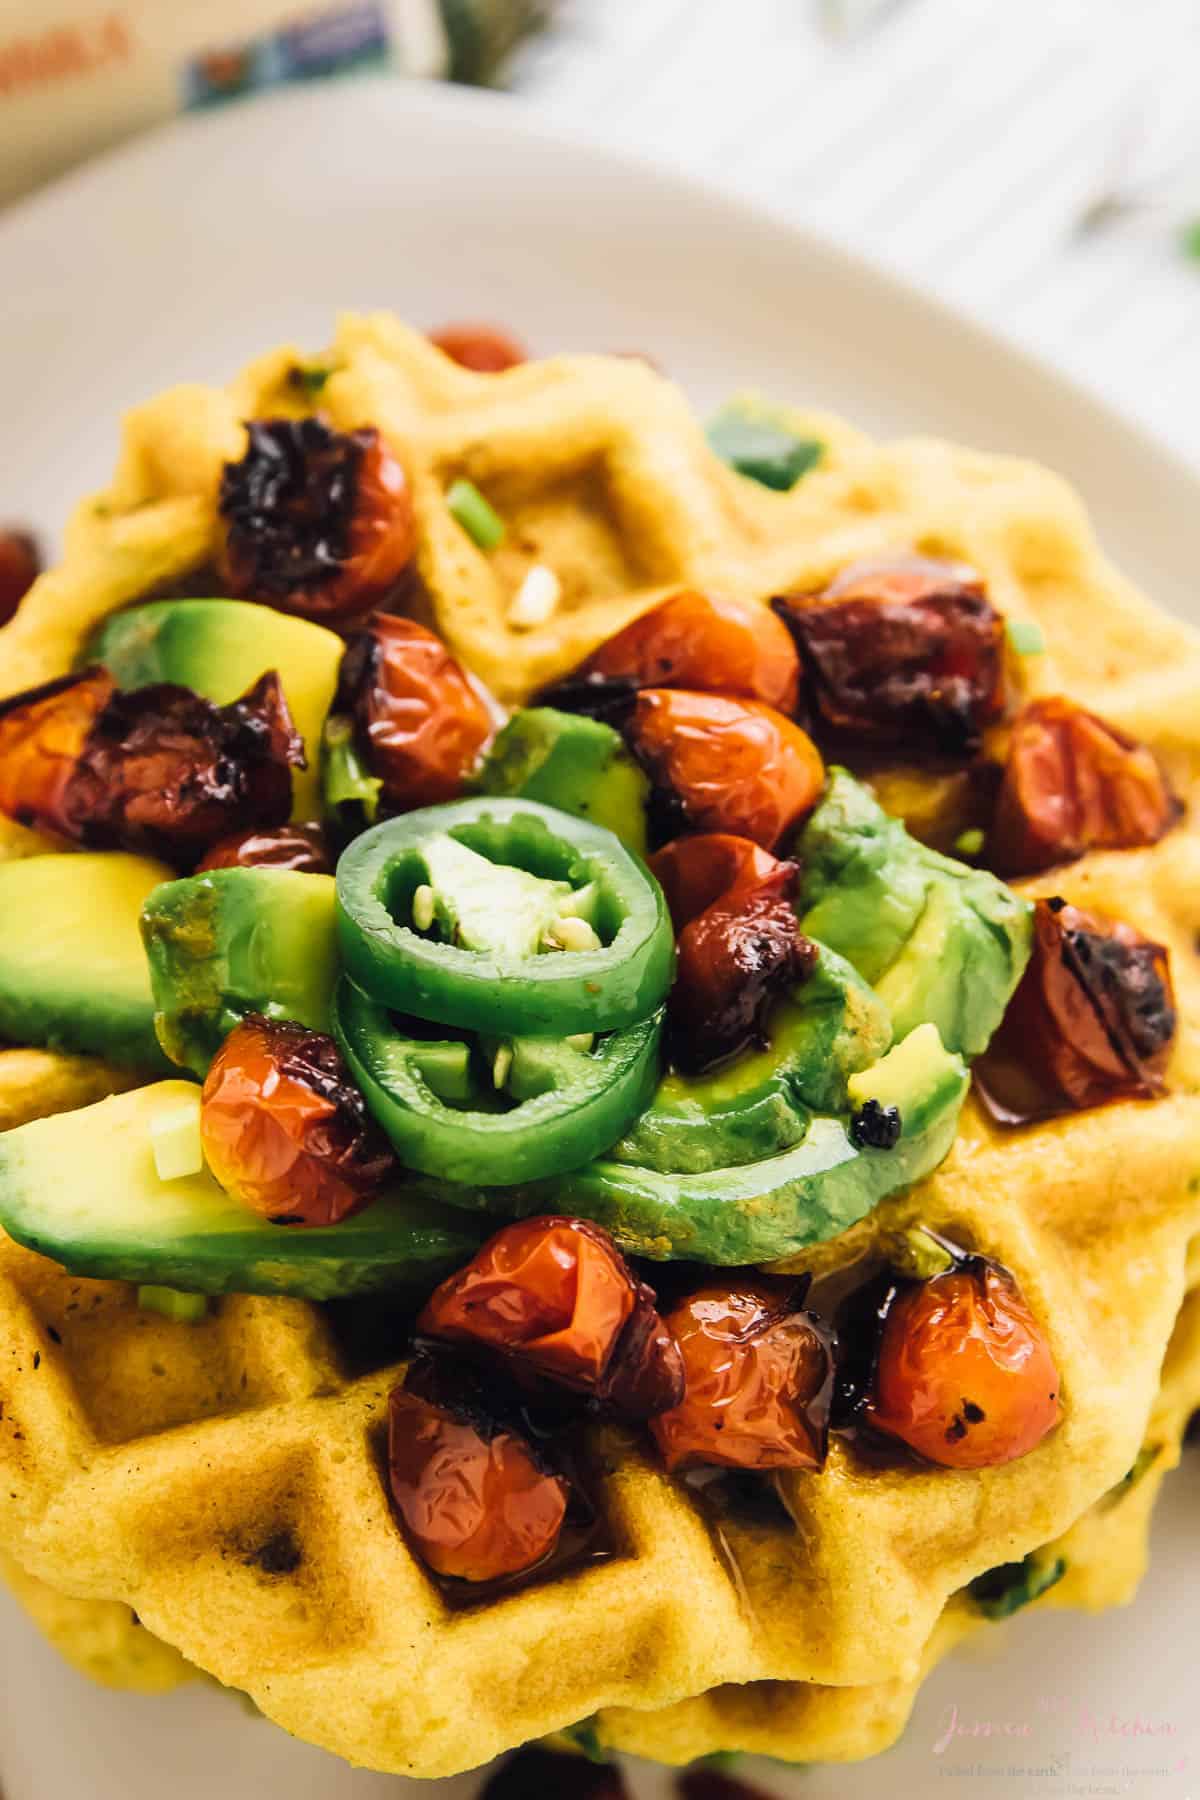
(224, 1479)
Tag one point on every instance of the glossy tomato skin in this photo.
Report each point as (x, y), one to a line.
(724, 765)
(318, 523)
(1093, 1020)
(759, 1381)
(556, 1297)
(284, 1129)
(1074, 783)
(486, 349)
(707, 644)
(739, 945)
(300, 848)
(901, 652)
(963, 1375)
(419, 721)
(20, 565)
(42, 735)
(477, 1501)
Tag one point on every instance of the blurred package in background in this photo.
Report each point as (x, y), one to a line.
(77, 75)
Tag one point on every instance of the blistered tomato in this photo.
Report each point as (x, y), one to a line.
(477, 1501)
(556, 1296)
(905, 652)
(301, 848)
(1074, 783)
(284, 1129)
(699, 641)
(486, 349)
(759, 1381)
(964, 1375)
(318, 522)
(739, 945)
(19, 568)
(419, 721)
(42, 735)
(724, 765)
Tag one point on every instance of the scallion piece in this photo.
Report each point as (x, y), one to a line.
(969, 843)
(172, 1303)
(1025, 636)
(479, 520)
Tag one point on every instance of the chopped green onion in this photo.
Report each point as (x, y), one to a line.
(759, 443)
(969, 843)
(479, 520)
(1189, 239)
(171, 1303)
(308, 378)
(1026, 637)
(345, 780)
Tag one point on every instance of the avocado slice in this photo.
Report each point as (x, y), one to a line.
(937, 940)
(832, 1025)
(219, 648)
(238, 941)
(761, 442)
(577, 764)
(73, 973)
(82, 1188)
(765, 1210)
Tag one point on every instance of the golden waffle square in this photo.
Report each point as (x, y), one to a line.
(225, 1480)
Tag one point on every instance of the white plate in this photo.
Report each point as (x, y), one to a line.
(188, 252)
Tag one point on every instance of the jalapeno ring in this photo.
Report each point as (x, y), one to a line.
(566, 1106)
(427, 928)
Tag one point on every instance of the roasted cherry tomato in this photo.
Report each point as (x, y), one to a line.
(738, 945)
(692, 641)
(1073, 783)
(156, 769)
(419, 721)
(902, 652)
(284, 1128)
(484, 348)
(477, 1500)
(298, 847)
(759, 1381)
(42, 735)
(555, 1296)
(1092, 1020)
(724, 765)
(318, 522)
(963, 1373)
(20, 565)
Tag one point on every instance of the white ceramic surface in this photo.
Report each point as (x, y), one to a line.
(190, 251)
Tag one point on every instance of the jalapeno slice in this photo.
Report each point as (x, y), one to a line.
(501, 1112)
(501, 915)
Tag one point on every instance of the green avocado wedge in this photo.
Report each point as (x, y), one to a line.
(766, 1210)
(73, 973)
(237, 941)
(938, 941)
(219, 648)
(829, 1028)
(578, 764)
(83, 1189)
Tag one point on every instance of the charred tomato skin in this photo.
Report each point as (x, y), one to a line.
(1074, 783)
(705, 643)
(477, 1499)
(485, 349)
(20, 565)
(284, 1129)
(420, 723)
(902, 652)
(42, 735)
(724, 765)
(760, 1380)
(1093, 1020)
(739, 945)
(301, 848)
(317, 522)
(555, 1296)
(963, 1373)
